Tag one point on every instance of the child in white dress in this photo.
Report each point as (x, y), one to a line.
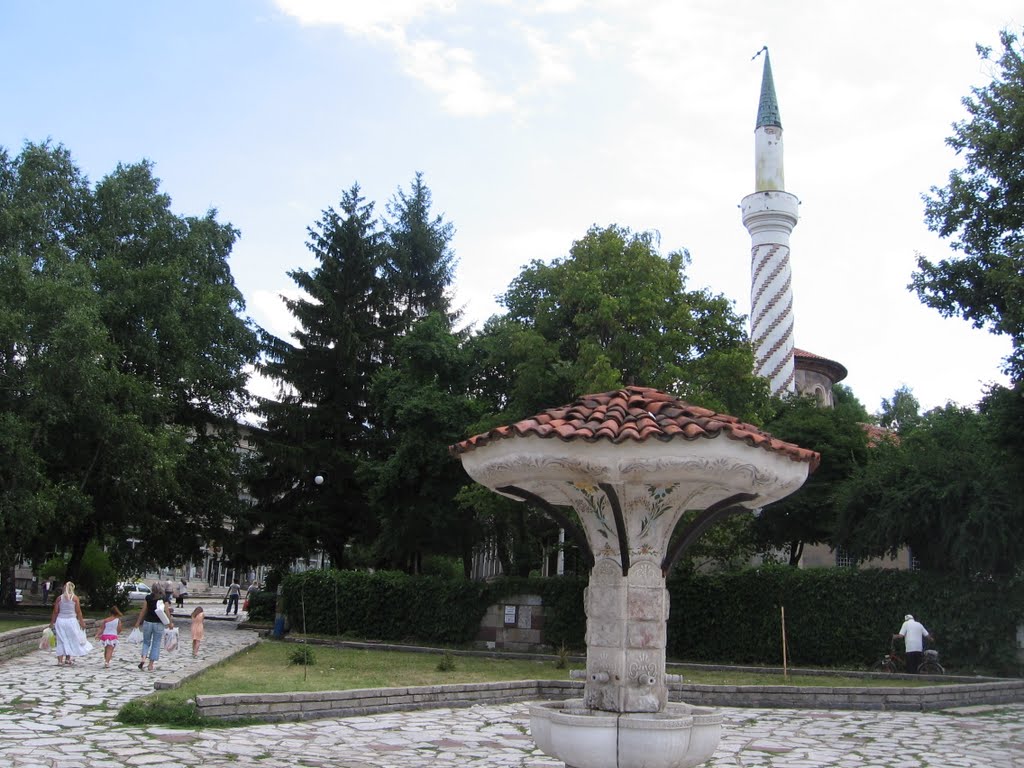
(110, 628)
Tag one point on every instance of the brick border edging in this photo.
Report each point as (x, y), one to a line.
(280, 707)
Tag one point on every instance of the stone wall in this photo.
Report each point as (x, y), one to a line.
(516, 624)
(307, 706)
(278, 707)
(21, 641)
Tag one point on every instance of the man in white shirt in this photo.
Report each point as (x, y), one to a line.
(913, 635)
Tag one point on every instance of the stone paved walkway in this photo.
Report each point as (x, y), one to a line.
(58, 717)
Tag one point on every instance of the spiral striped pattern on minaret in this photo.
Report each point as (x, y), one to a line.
(770, 214)
(771, 316)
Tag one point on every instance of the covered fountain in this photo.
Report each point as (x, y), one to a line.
(630, 463)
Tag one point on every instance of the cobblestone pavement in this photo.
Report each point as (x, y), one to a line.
(62, 717)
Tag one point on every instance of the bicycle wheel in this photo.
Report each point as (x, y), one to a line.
(885, 665)
(930, 668)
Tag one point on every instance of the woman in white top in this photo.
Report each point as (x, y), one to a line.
(69, 626)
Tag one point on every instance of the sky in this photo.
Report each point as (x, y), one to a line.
(532, 121)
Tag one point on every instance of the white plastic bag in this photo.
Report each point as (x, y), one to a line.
(160, 612)
(135, 636)
(171, 639)
(48, 640)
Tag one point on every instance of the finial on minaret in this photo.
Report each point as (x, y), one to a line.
(770, 214)
(768, 108)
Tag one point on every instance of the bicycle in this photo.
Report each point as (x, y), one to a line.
(930, 664)
(892, 662)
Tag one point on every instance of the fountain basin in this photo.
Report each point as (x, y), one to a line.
(680, 736)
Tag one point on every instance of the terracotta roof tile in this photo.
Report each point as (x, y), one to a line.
(638, 414)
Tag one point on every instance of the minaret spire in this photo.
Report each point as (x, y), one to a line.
(769, 214)
(768, 108)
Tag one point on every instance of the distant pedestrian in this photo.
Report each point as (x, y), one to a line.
(250, 593)
(198, 633)
(47, 586)
(913, 635)
(180, 593)
(68, 625)
(110, 628)
(234, 590)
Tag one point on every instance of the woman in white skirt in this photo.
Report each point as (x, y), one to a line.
(69, 627)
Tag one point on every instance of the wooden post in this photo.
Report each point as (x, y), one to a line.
(785, 666)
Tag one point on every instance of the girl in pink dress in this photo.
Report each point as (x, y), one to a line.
(110, 628)
(197, 629)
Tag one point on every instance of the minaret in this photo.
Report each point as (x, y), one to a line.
(769, 214)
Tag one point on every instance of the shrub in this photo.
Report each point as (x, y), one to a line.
(97, 579)
(563, 657)
(302, 655)
(160, 712)
(263, 607)
(447, 662)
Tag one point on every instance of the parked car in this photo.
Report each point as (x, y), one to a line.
(136, 590)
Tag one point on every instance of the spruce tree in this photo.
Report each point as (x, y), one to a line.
(321, 423)
(420, 396)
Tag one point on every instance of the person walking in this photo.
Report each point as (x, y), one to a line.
(68, 625)
(181, 593)
(913, 635)
(250, 593)
(110, 628)
(153, 626)
(233, 590)
(198, 632)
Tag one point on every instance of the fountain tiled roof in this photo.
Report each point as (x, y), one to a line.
(637, 414)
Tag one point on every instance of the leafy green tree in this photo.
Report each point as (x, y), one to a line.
(808, 516)
(946, 489)
(615, 312)
(902, 413)
(102, 365)
(980, 210)
(321, 425)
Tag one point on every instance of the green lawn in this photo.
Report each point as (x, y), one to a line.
(7, 623)
(265, 668)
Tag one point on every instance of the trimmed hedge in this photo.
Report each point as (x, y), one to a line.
(834, 616)
(841, 617)
(385, 606)
(262, 607)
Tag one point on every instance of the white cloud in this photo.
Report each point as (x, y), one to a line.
(268, 309)
(452, 73)
(370, 19)
(508, 61)
(551, 60)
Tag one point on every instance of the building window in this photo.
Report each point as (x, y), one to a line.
(844, 559)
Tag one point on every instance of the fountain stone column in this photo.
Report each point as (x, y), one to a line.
(630, 464)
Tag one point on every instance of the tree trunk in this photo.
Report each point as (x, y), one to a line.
(75, 561)
(796, 551)
(7, 577)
